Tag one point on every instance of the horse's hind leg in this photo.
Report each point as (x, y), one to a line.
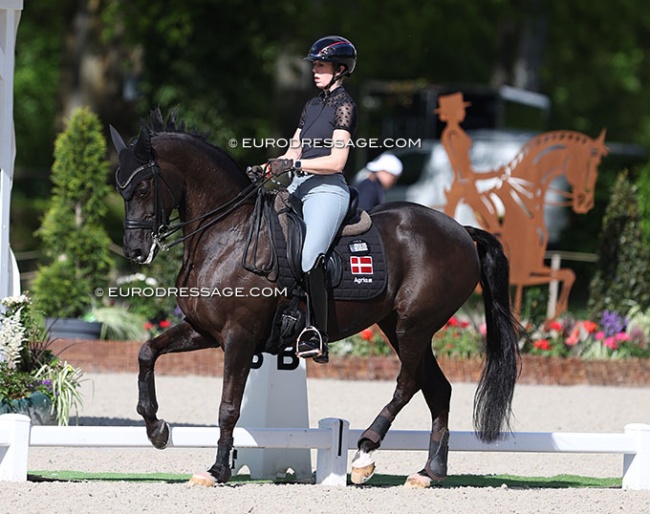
(437, 393)
(180, 338)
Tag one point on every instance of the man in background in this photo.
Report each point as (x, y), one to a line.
(385, 170)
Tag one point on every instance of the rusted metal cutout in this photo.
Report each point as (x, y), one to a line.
(513, 209)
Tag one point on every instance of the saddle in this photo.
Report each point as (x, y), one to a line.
(356, 266)
(355, 262)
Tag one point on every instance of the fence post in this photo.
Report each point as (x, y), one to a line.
(636, 468)
(332, 463)
(14, 447)
(556, 261)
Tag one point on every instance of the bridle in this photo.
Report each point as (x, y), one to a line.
(161, 226)
(160, 221)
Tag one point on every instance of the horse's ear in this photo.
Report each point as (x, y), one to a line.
(118, 142)
(143, 146)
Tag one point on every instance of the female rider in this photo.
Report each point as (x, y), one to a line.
(319, 149)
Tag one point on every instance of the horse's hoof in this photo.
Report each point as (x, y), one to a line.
(203, 478)
(362, 475)
(363, 467)
(160, 435)
(417, 481)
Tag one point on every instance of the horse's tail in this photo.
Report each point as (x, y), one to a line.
(493, 398)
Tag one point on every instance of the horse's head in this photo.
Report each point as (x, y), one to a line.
(149, 198)
(582, 174)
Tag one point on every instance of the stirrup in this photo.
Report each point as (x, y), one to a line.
(304, 340)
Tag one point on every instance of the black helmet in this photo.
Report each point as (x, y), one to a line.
(334, 49)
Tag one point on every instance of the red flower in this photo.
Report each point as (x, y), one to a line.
(542, 344)
(165, 323)
(555, 325)
(453, 322)
(367, 334)
(590, 326)
(148, 325)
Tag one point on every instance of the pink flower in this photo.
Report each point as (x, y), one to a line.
(611, 343)
(600, 335)
(622, 336)
(483, 329)
(573, 338)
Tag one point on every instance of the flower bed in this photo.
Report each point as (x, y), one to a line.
(122, 357)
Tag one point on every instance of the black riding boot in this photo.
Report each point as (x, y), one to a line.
(312, 341)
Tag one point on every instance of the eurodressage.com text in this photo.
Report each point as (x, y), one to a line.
(281, 143)
(193, 292)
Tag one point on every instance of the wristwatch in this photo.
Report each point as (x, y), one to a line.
(298, 168)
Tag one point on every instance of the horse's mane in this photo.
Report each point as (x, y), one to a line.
(158, 125)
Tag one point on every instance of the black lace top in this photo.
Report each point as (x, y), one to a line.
(323, 115)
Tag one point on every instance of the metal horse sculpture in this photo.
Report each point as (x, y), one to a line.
(434, 264)
(522, 187)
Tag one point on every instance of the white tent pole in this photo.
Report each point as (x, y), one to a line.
(10, 11)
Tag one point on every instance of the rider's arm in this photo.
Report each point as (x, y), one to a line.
(335, 161)
(294, 151)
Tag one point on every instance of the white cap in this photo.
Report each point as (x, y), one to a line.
(386, 162)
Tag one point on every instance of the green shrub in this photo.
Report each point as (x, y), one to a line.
(74, 238)
(623, 268)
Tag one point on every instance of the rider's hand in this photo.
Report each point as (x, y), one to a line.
(255, 172)
(279, 167)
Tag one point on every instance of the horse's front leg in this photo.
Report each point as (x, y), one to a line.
(180, 338)
(237, 365)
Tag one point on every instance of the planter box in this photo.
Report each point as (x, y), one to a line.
(37, 407)
(72, 328)
(122, 357)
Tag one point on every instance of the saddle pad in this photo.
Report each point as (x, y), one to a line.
(363, 266)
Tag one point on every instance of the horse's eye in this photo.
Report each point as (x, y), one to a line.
(142, 191)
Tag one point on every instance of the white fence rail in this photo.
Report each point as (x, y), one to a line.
(332, 440)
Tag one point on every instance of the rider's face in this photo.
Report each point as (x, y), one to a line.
(323, 73)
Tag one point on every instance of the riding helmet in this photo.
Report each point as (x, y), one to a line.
(334, 49)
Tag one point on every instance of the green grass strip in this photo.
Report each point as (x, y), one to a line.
(510, 481)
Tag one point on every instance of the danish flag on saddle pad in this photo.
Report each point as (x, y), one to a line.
(361, 265)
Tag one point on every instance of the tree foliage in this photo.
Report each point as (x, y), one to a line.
(623, 271)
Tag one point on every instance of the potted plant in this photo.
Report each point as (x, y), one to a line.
(75, 240)
(33, 381)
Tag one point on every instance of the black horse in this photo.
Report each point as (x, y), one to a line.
(433, 265)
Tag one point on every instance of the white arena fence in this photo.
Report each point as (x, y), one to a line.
(333, 438)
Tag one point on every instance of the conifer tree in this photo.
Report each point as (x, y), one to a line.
(75, 240)
(623, 268)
